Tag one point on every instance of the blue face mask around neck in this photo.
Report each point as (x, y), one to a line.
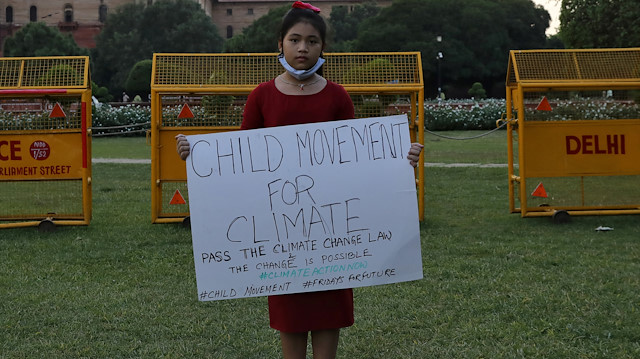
(300, 74)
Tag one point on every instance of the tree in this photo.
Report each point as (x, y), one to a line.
(139, 80)
(343, 24)
(100, 93)
(261, 36)
(38, 39)
(477, 36)
(134, 32)
(554, 42)
(477, 91)
(600, 23)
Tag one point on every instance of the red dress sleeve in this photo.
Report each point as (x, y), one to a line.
(252, 116)
(345, 110)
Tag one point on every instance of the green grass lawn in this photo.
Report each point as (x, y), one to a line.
(496, 285)
(121, 147)
(491, 148)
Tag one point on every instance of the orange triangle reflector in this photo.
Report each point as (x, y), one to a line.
(544, 105)
(177, 198)
(539, 191)
(185, 112)
(57, 112)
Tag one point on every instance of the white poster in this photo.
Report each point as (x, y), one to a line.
(303, 208)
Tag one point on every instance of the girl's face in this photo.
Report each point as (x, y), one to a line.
(302, 46)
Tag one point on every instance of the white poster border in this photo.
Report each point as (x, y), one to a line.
(303, 208)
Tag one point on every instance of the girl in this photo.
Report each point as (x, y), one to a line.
(302, 95)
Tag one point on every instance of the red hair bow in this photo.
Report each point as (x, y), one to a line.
(304, 5)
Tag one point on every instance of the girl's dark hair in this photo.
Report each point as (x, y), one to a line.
(296, 15)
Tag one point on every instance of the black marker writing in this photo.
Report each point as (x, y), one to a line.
(229, 159)
(290, 191)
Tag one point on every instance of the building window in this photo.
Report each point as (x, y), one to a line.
(249, 11)
(229, 32)
(68, 13)
(102, 13)
(9, 14)
(229, 12)
(33, 14)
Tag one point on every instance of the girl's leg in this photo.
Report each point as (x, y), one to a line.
(294, 345)
(325, 343)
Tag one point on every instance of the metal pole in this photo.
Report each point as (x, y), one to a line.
(439, 57)
(439, 77)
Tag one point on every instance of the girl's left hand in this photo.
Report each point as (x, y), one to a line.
(182, 146)
(414, 153)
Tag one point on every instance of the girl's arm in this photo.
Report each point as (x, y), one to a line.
(252, 114)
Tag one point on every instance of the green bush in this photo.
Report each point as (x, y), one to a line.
(61, 75)
(439, 116)
(217, 105)
(139, 79)
(584, 108)
(100, 92)
(453, 115)
(39, 39)
(369, 109)
(129, 115)
(375, 71)
(477, 91)
(483, 114)
(21, 121)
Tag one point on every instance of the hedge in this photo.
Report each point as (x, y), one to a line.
(128, 120)
(445, 115)
(439, 116)
(451, 115)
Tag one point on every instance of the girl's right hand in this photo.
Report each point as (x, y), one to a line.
(182, 146)
(414, 154)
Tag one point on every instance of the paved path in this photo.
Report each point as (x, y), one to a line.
(120, 160)
(479, 165)
(428, 164)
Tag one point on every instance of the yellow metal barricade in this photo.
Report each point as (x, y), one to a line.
(45, 144)
(204, 93)
(574, 132)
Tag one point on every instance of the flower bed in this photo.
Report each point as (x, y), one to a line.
(452, 115)
(482, 115)
(128, 120)
(439, 115)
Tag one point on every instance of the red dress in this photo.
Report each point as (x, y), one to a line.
(268, 107)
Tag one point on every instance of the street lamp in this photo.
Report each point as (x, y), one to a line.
(439, 57)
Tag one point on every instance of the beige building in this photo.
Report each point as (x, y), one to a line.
(231, 16)
(84, 19)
